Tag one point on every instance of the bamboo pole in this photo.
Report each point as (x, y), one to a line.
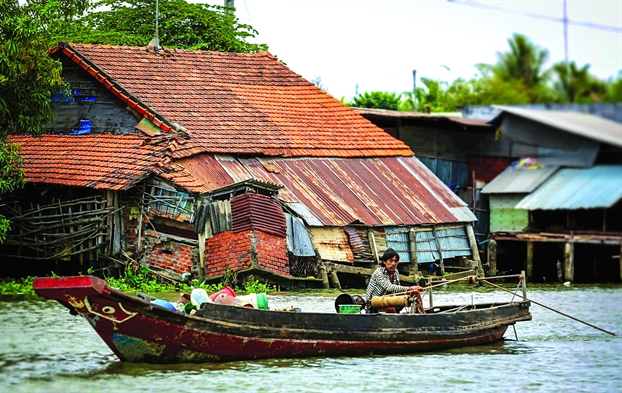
(549, 308)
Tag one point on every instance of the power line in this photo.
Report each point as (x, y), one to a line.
(472, 3)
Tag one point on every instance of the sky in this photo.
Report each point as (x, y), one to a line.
(357, 46)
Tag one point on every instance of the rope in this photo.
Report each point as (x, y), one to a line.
(549, 308)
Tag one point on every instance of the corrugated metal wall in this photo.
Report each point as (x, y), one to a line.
(503, 214)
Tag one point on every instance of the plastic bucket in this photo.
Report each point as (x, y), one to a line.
(226, 290)
(349, 309)
(165, 304)
(344, 298)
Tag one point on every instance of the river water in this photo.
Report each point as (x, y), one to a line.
(45, 349)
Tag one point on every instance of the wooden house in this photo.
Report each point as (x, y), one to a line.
(555, 212)
(223, 165)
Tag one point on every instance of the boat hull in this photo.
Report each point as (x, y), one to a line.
(139, 331)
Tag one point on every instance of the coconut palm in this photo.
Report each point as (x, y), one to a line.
(577, 85)
(524, 63)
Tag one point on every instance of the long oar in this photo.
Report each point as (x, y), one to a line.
(549, 308)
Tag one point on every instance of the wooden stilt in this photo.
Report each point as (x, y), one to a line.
(412, 237)
(325, 282)
(530, 259)
(333, 279)
(492, 257)
(569, 261)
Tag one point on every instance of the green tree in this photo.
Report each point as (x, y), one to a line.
(614, 90)
(11, 177)
(435, 96)
(523, 63)
(377, 100)
(27, 78)
(577, 85)
(180, 25)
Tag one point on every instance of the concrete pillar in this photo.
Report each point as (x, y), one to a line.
(530, 259)
(569, 262)
(492, 257)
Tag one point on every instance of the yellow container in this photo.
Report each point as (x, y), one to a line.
(349, 308)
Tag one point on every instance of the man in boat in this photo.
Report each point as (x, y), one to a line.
(386, 280)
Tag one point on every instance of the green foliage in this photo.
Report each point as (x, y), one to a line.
(524, 62)
(22, 286)
(180, 25)
(253, 285)
(577, 85)
(517, 78)
(11, 177)
(377, 100)
(614, 90)
(27, 75)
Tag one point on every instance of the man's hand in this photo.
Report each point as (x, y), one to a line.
(414, 289)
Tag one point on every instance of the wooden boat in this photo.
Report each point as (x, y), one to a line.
(140, 331)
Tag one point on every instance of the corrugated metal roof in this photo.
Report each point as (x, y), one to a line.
(577, 188)
(338, 191)
(254, 211)
(583, 124)
(521, 181)
(444, 118)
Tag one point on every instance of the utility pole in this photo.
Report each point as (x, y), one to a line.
(229, 3)
(414, 90)
(566, 31)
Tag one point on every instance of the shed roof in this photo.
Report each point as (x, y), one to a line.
(233, 103)
(519, 180)
(579, 123)
(439, 118)
(577, 188)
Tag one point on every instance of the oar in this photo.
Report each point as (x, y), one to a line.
(467, 278)
(549, 308)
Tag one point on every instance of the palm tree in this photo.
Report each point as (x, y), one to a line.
(577, 85)
(524, 63)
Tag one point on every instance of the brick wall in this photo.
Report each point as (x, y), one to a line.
(225, 250)
(174, 257)
(271, 252)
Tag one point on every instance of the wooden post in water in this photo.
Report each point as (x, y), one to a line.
(429, 284)
(530, 259)
(334, 279)
(473, 243)
(325, 282)
(569, 261)
(524, 282)
(492, 257)
(412, 237)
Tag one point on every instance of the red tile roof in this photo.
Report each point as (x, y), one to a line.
(115, 162)
(233, 103)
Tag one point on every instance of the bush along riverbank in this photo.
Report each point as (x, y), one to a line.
(141, 281)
